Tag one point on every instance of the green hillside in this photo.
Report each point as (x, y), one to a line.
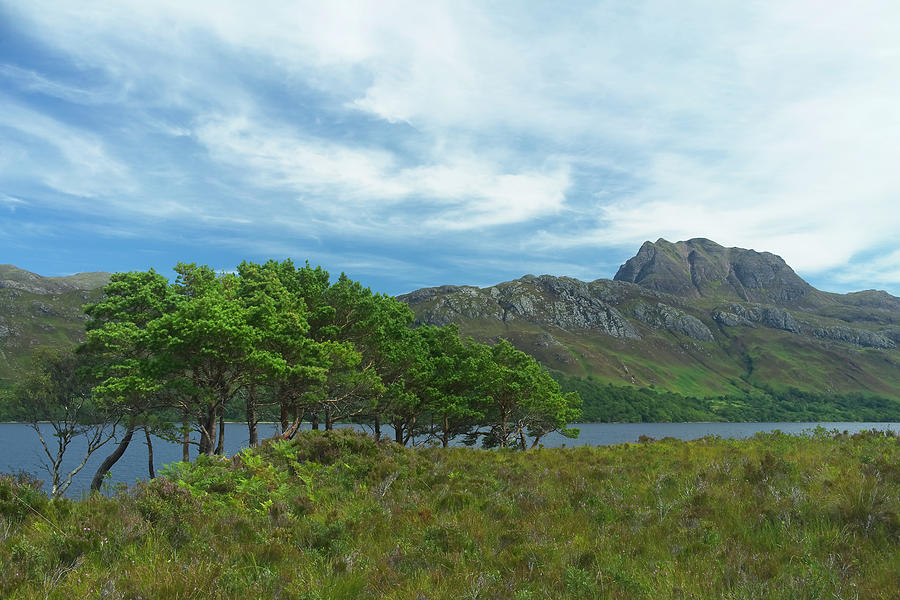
(693, 318)
(38, 312)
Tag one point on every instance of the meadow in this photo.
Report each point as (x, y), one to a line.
(336, 515)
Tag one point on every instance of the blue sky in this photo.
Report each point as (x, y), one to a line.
(421, 143)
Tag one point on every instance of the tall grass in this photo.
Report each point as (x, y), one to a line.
(335, 515)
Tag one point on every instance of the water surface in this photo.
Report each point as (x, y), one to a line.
(20, 448)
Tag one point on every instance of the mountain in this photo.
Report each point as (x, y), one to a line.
(38, 311)
(701, 268)
(692, 317)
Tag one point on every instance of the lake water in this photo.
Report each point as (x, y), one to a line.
(20, 448)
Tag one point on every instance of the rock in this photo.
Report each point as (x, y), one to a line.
(858, 337)
(41, 308)
(558, 301)
(662, 316)
(767, 316)
(425, 294)
(729, 319)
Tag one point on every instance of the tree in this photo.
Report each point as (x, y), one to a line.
(285, 357)
(119, 348)
(204, 348)
(57, 392)
(451, 370)
(526, 400)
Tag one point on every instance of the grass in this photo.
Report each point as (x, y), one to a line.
(335, 515)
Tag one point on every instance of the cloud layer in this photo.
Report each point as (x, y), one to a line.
(425, 143)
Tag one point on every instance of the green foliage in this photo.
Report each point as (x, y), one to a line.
(278, 335)
(337, 515)
(289, 340)
(605, 402)
(525, 399)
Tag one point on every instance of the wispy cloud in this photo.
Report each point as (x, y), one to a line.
(32, 81)
(11, 203)
(63, 157)
(372, 187)
(883, 271)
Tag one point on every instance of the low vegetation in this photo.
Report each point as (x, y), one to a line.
(337, 515)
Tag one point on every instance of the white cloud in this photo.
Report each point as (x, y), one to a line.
(71, 160)
(31, 81)
(880, 271)
(372, 187)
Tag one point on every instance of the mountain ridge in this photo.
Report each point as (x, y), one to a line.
(692, 317)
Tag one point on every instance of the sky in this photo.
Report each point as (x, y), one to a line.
(413, 144)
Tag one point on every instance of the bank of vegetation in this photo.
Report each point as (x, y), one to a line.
(608, 403)
(336, 515)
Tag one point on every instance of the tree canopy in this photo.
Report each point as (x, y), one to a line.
(289, 341)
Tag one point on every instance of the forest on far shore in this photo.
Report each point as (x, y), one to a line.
(609, 403)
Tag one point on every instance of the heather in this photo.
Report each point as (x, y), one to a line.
(336, 515)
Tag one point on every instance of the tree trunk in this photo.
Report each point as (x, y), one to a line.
(251, 416)
(285, 415)
(150, 469)
(377, 428)
(445, 435)
(295, 426)
(398, 432)
(314, 421)
(409, 431)
(220, 448)
(185, 438)
(504, 429)
(110, 460)
(329, 425)
(208, 430)
(522, 438)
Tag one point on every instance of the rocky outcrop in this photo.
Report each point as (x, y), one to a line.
(857, 337)
(701, 268)
(730, 319)
(768, 316)
(662, 316)
(557, 301)
(447, 304)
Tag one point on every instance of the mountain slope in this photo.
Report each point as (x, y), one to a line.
(38, 311)
(691, 317)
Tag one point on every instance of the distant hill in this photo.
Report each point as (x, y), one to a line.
(38, 311)
(692, 317)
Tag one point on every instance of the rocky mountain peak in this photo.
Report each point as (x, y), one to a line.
(701, 268)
